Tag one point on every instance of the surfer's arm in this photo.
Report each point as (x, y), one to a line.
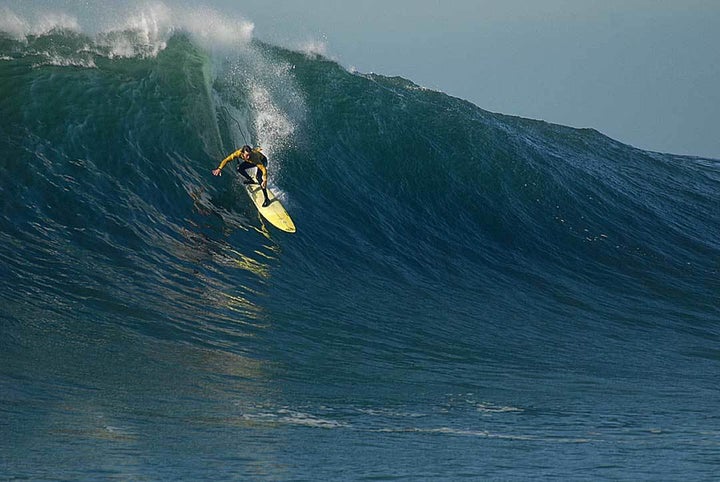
(225, 161)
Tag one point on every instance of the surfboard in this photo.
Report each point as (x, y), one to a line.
(275, 212)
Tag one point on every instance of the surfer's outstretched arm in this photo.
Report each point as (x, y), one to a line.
(218, 171)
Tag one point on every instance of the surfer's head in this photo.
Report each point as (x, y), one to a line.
(245, 152)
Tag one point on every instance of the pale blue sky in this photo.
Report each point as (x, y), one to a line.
(645, 72)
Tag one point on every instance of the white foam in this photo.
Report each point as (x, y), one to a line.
(300, 418)
(19, 28)
(215, 30)
(12, 25)
(482, 406)
(47, 22)
(490, 408)
(272, 126)
(456, 432)
(68, 62)
(140, 31)
(292, 417)
(314, 48)
(387, 412)
(153, 24)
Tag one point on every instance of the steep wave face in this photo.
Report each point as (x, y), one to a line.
(468, 293)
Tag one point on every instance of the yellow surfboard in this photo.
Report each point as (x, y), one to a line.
(275, 212)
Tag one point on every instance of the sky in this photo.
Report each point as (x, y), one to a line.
(644, 72)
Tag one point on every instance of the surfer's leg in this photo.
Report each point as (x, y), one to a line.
(260, 181)
(242, 169)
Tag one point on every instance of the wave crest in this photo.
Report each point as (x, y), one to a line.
(142, 31)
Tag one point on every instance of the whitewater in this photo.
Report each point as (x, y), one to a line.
(468, 294)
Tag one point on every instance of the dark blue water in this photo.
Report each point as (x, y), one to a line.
(468, 295)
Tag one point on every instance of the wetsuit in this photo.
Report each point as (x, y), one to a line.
(257, 159)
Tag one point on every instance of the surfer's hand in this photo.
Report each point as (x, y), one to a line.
(217, 172)
(264, 184)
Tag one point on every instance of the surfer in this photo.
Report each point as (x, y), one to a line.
(251, 158)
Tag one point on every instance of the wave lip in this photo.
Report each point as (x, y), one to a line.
(20, 28)
(140, 32)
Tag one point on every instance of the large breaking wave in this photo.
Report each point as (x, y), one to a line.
(435, 239)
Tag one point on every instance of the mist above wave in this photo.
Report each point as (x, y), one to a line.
(141, 29)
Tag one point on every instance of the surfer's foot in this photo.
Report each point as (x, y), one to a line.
(249, 181)
(266, 203)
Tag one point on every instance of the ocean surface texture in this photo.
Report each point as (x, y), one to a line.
(469, 295)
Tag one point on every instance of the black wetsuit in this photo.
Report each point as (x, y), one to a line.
(258, 160)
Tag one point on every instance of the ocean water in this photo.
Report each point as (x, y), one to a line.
(469, 295)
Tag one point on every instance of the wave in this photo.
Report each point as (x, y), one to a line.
(459, 278)
(109, 136)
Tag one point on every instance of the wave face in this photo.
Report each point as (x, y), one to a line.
(467, 291)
